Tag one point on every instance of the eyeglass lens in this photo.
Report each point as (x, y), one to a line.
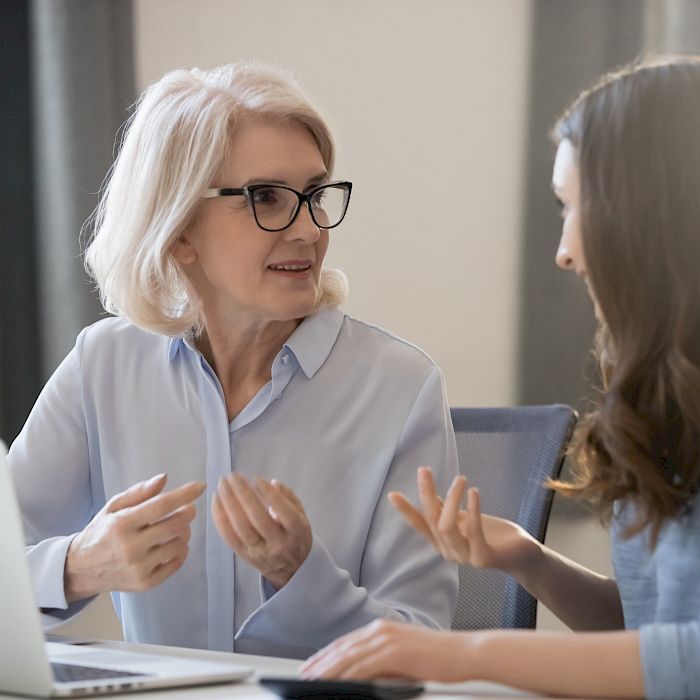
(275, 207)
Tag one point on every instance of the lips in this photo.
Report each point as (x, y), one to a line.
(292, 265)
(289, 267)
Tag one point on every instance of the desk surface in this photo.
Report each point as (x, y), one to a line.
(270, 666)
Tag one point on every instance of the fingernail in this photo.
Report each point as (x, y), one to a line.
(157, 477)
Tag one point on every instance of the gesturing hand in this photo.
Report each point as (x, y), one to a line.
(265, 525)
(466, 536)
(134, 543)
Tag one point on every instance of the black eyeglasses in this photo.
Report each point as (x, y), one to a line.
(275, 207)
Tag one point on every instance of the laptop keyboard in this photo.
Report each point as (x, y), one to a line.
(68, 673)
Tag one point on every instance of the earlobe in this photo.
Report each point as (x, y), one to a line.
(183, 250)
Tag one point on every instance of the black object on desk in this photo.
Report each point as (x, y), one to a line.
(347, 690)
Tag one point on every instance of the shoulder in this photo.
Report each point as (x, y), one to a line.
(115, 336)
(373, 344)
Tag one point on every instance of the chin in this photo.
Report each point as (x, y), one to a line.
(293, 312)
(289, 305)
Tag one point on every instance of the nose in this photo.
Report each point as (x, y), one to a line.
(303, 228)
(563, 258)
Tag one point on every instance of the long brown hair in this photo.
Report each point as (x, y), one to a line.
(637, 136)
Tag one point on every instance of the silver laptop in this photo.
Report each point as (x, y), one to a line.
(31, 666)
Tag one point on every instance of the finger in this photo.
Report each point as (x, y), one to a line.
(290, 495)
(257, 511)
(451, 507)
(412, 515)
(372, 662)
(154, 565)
(166, 569)
(334, 665)
(237, 516)
(327, 666)
(428, 497)
(174, 525)
(341, 643)
(454, 541)
(223, 525)
(347, 661)
(473, 526)
(287, 509)
(327, 657)
(164, 504)
(163, 553)
(261, 488)
(138, 493)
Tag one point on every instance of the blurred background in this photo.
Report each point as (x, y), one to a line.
(442, 111)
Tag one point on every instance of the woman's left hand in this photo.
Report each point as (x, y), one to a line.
(387, 649)
(266, 525)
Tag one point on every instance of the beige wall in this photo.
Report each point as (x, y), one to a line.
(428, 103)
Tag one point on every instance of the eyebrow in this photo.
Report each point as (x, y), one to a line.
(314, 180)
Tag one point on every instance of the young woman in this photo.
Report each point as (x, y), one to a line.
(230, 365)
(627, 174)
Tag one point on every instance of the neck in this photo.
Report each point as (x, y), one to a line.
(240, 351)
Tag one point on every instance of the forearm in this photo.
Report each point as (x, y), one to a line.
(320, 603)
(595, 664)
(579, 597)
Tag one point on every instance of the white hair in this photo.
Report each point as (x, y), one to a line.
(174, 144)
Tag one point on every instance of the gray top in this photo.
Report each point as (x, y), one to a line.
(660, 594)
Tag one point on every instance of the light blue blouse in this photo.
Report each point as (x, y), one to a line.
(660, 593)
(349, 414)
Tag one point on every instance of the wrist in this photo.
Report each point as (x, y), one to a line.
(482, 654)
(527, 567)
(463, 656)
(279, 577)
(75, 579)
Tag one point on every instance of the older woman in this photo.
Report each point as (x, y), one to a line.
(230, 365)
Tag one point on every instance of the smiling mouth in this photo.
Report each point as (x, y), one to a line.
(290, 268)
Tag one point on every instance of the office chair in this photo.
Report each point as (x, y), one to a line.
(508, 453)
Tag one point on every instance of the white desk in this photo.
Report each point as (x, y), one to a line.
(269, 666)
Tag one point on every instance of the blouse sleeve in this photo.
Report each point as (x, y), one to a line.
(670, 653)
(50, 469)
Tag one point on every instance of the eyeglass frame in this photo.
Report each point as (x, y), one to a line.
(249, 190)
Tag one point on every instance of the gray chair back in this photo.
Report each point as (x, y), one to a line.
(508, 453)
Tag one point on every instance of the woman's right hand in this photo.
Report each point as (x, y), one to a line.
(134, 543)
(467, 536)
